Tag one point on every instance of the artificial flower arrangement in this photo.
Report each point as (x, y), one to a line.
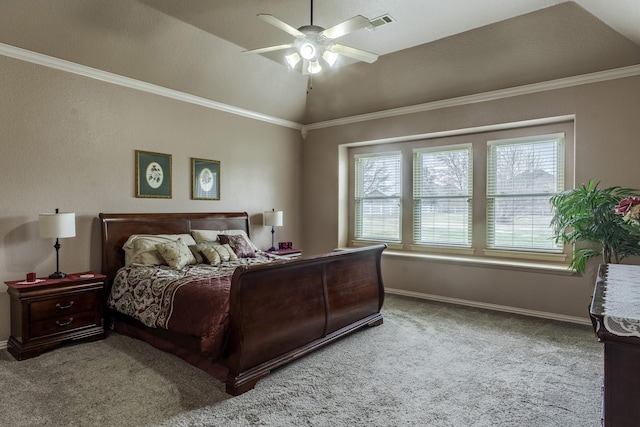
(597, 222)
(629, 208)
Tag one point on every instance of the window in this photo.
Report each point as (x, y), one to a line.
(378, 196)
(442, 191)
(474, 195)
(522, 175)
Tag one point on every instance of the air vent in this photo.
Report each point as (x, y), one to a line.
(380, 21)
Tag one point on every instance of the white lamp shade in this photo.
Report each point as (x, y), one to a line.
(57, 225)
(292, 59)
(273, 218)
(330, 57)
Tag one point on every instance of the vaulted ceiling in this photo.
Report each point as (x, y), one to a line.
(436, 49)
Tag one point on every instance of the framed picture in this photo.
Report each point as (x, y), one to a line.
(153, 174)
(205, 179)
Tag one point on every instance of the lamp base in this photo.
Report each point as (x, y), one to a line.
(272, 248)
(57, 275)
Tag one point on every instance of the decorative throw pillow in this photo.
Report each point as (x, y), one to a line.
(141, 248)
(196, 254)
(226, 253)
(240, 233)
(144, 252)
(212, 256)
(212, 235)
(239, 244)
(176, 254)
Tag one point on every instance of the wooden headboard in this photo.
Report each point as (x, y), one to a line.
(116, 229)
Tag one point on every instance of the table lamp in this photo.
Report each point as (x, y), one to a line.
(58, 225)
(273, 218)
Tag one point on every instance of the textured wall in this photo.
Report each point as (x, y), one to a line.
(606, 148)
(69, 142)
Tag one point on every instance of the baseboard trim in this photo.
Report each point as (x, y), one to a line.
(3, 345)
(494, 307)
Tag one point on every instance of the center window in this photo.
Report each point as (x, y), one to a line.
(442, 191)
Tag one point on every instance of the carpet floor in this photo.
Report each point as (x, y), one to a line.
(429, 364)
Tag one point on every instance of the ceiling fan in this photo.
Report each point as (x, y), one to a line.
(315, 46)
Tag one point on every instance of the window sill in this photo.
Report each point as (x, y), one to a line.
(390, 245)
(530, 265)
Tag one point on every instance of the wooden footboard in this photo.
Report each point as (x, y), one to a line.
(283, 311)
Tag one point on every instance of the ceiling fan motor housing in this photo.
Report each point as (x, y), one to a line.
(309, 44)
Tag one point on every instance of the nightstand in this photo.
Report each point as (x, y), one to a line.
(50, 312)
(286, 253)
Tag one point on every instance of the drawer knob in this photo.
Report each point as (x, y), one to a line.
(64, 307)
(68, 322)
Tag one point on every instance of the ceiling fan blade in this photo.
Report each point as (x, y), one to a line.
(269, 48)
(356, 23)
(279, 24)
(360, 55)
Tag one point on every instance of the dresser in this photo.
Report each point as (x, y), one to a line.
(50, 312)
(615, 312)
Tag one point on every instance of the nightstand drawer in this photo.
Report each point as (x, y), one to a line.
(62, 323)
(63, 305)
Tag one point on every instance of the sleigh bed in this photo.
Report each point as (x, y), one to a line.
(266, 313)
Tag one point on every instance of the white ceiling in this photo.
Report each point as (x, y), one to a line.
(416, 21)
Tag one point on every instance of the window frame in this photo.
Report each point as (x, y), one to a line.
(491, 195)
(477, 136)
(419, 196)
(359, 198)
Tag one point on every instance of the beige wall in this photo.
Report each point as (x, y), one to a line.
(606, 148)
(69, 142)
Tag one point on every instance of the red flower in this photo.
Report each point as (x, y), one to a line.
(626, 204)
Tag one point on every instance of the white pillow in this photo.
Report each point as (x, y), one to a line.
(176, 253)
(141, 248)
(204, 235)
(212, 236)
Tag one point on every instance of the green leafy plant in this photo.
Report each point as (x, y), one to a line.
(587, 214)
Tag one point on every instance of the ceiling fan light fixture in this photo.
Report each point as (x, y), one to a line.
(330, 57)
(314, 67)
(292, 59)
(307, 50)
(314, 45)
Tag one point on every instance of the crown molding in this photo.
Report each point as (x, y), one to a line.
(117, 79)
(94, 73)
(601, 76)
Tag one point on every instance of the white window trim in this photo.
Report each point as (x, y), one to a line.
(521, 252)
(400, 197)
(407, 251)
(469, 197)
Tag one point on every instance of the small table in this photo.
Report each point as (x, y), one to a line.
(49, 312)
(615, 312)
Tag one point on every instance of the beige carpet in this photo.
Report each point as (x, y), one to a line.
(429, 364)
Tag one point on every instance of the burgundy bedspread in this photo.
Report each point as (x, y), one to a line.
(192, 301)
